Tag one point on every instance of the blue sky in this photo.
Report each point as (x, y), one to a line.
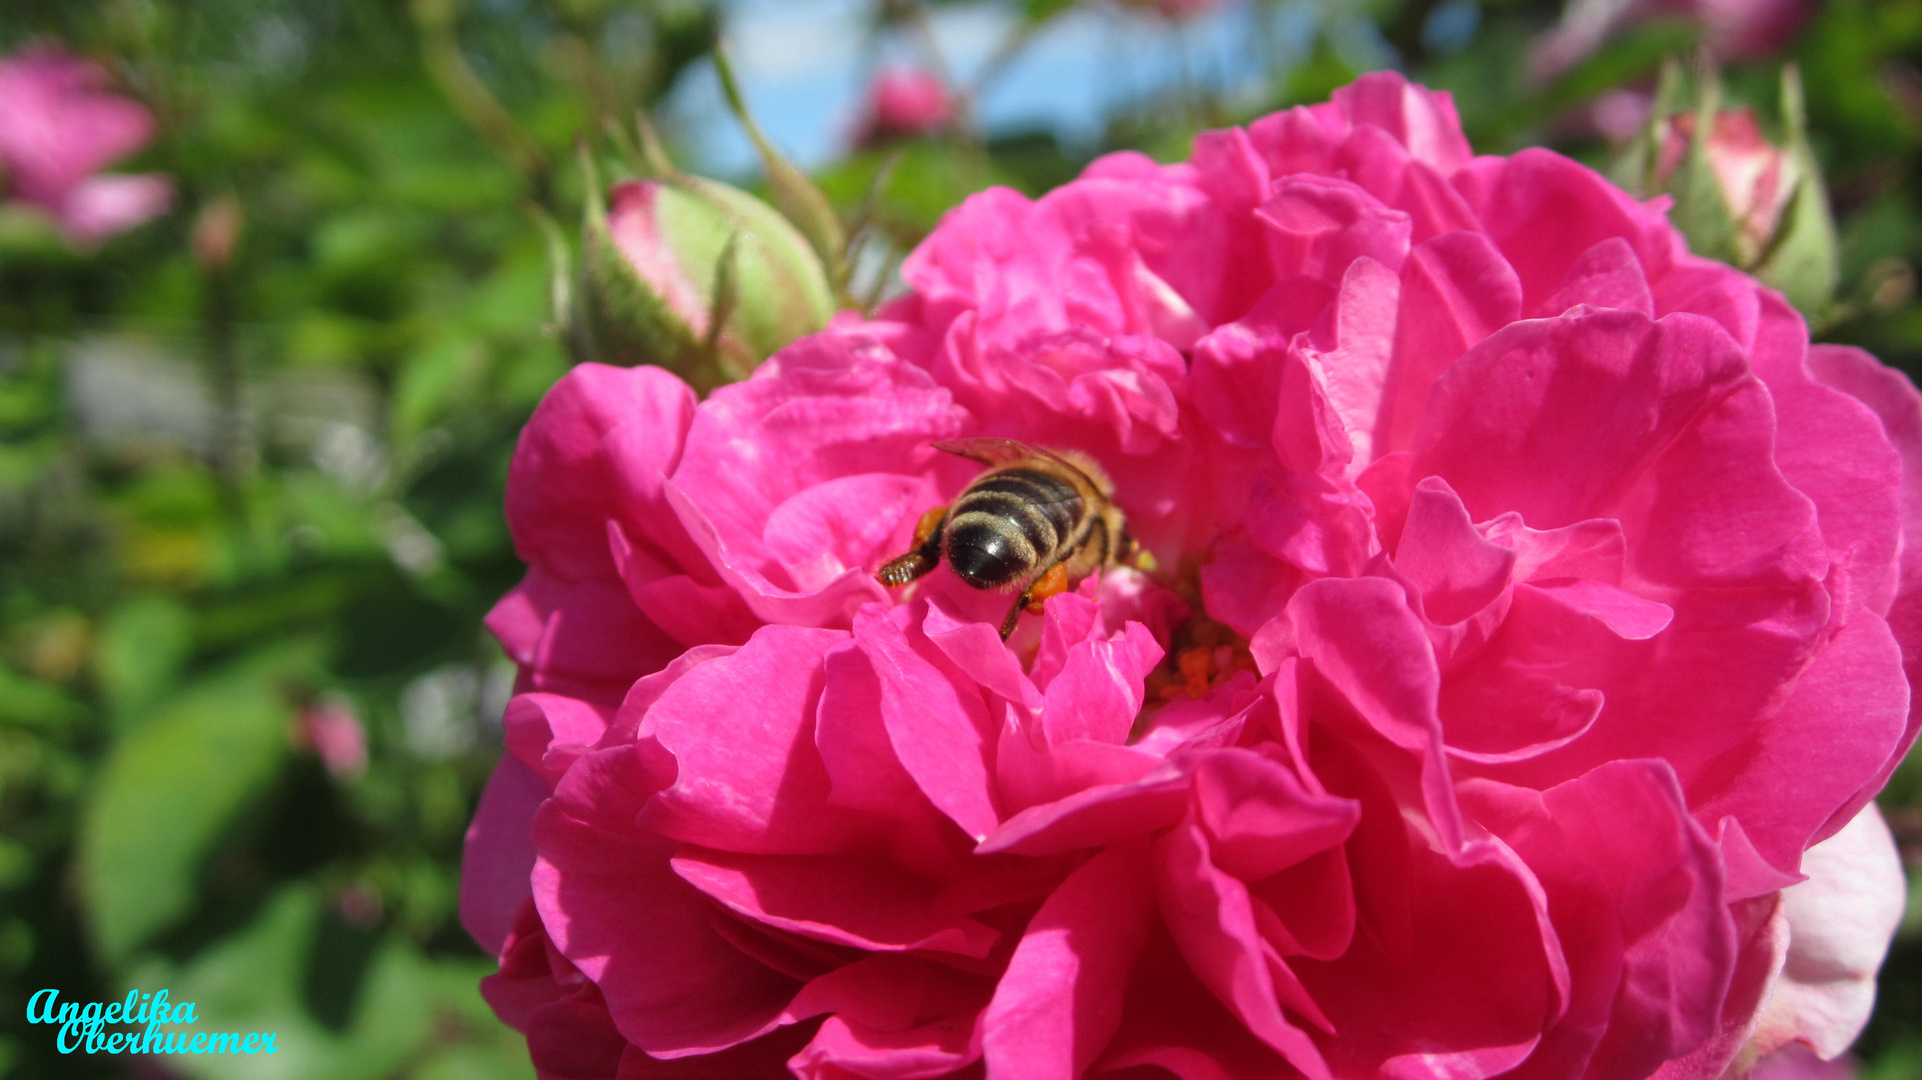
(805, 63)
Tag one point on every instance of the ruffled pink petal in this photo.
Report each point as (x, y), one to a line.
(1095, 816)
(1060, 1000)
(1894, 400)
(1608, 276)
(1545, 212)
(1213, 922)
(1457, 570)
(1638, 887)
(1317, 226)
(615, 908)
(548, 732)
(1456, 290)
(1762, 931)
(1373, 653)
(934, 716)
(1802, 769)
(1260, 819)
(826, 409)
(894, 1018)
(740, 728)
(1421, 119)
(1098, 692)
(497, 854)
(846, 900)
(595, 451)
(1378, 162)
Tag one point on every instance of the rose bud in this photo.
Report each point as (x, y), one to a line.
(698, 277)
(58, 127)
(1737, 196)
(1754, 177)
(906, 104)
(333, 732)
(216, 233)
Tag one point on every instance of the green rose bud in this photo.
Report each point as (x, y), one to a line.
(1739, 197)
(697, 277)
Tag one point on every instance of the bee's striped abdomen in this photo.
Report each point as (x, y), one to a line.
(1011, 523)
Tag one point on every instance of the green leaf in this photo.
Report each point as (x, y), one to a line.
(170, 789)
(141, 649)
(31, 703)
(1043, 10)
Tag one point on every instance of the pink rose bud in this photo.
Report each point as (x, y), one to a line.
(58, 127)
(217, 232)
(331, 729)
(1738, 195)
(906, 104)
(698, 277)
(1755, 177)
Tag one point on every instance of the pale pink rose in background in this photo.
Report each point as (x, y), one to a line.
(1839, 923)
(1798, 1062)
(1620, 115)
(905, 103)
(1532, 599)
(1732, 29)
(59, 126)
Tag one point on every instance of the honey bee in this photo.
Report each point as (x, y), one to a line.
(1037, 521)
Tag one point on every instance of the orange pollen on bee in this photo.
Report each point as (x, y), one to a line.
(1052, 583)
(929, 522)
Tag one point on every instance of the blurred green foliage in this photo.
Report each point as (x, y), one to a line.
(232, 497)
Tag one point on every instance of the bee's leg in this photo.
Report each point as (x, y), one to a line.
(925, 554)
(1052, 582)
(1014, 616)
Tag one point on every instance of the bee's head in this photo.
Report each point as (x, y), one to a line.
(987, 557)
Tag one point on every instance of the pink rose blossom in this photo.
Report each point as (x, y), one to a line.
(59, 126)
(1534, 620)
(908, 103)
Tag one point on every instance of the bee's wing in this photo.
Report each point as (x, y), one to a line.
(991, 451)
(996, 452)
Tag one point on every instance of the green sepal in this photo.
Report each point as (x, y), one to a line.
(1803, 257)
